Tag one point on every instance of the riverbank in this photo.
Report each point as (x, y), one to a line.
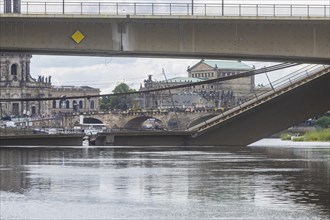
(315, 136)
(277, 142)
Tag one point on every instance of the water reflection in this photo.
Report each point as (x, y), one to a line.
(180, 183)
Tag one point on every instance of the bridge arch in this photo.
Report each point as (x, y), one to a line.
(92, 120)
(87, 120)
(136, 123)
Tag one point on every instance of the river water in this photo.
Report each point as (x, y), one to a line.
(270, 179)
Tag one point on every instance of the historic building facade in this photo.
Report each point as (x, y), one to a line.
(224, 94)
(16, 82)
(182, 98)
(227, 93)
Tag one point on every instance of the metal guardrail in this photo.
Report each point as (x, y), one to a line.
(179, 9)
(276, 88)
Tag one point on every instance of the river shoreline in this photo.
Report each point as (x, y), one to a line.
(266, 142)
(277, 142)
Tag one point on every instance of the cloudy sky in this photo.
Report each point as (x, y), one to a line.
(107, 72)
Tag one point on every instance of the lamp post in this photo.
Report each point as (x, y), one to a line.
(63, 6)
(192, 7)
(223, 8)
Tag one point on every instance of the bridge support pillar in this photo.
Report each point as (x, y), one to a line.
(109, 140)
(66, 120)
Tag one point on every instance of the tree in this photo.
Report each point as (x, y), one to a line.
(104, 103)
(323, 122)
(122, 88)
(120, 102)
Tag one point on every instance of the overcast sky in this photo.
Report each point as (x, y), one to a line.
(106, 72)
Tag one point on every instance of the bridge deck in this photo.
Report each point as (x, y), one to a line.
(275, 38)
(258, 100)
(272, 112)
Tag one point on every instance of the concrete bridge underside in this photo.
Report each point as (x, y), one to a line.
(268, 118)
(255, 38)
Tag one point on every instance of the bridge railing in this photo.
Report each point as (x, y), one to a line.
(178, 8)
(273, 88)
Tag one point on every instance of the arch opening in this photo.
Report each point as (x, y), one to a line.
(92, 121)
(13, 69)
(144, 123)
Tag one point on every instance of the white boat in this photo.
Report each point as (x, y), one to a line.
(85, 141)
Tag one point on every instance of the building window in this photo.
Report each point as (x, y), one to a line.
(34, 110)
(54, 103)
(92, 104)
(63, 104)
(81, 104)
(67, 104)
(75, 105)
(15, 110)
(13, 69)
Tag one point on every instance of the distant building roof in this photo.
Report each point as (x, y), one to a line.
(226, 64)
(75, 87)
(184, 79)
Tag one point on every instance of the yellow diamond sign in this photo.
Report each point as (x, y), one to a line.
(77, 37)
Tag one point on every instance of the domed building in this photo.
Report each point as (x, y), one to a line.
(16, 82)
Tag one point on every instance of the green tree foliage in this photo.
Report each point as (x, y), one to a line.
(323, 122)
(104, 103)
(120, 102)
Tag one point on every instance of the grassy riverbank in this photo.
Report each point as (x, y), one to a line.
(318, 135)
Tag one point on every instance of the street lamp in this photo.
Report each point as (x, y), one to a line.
(223, 8)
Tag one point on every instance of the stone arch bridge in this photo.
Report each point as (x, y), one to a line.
(134, 120)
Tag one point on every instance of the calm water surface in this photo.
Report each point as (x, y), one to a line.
(269, 180)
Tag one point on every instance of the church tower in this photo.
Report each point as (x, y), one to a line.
(14, 69)
(16, 82)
